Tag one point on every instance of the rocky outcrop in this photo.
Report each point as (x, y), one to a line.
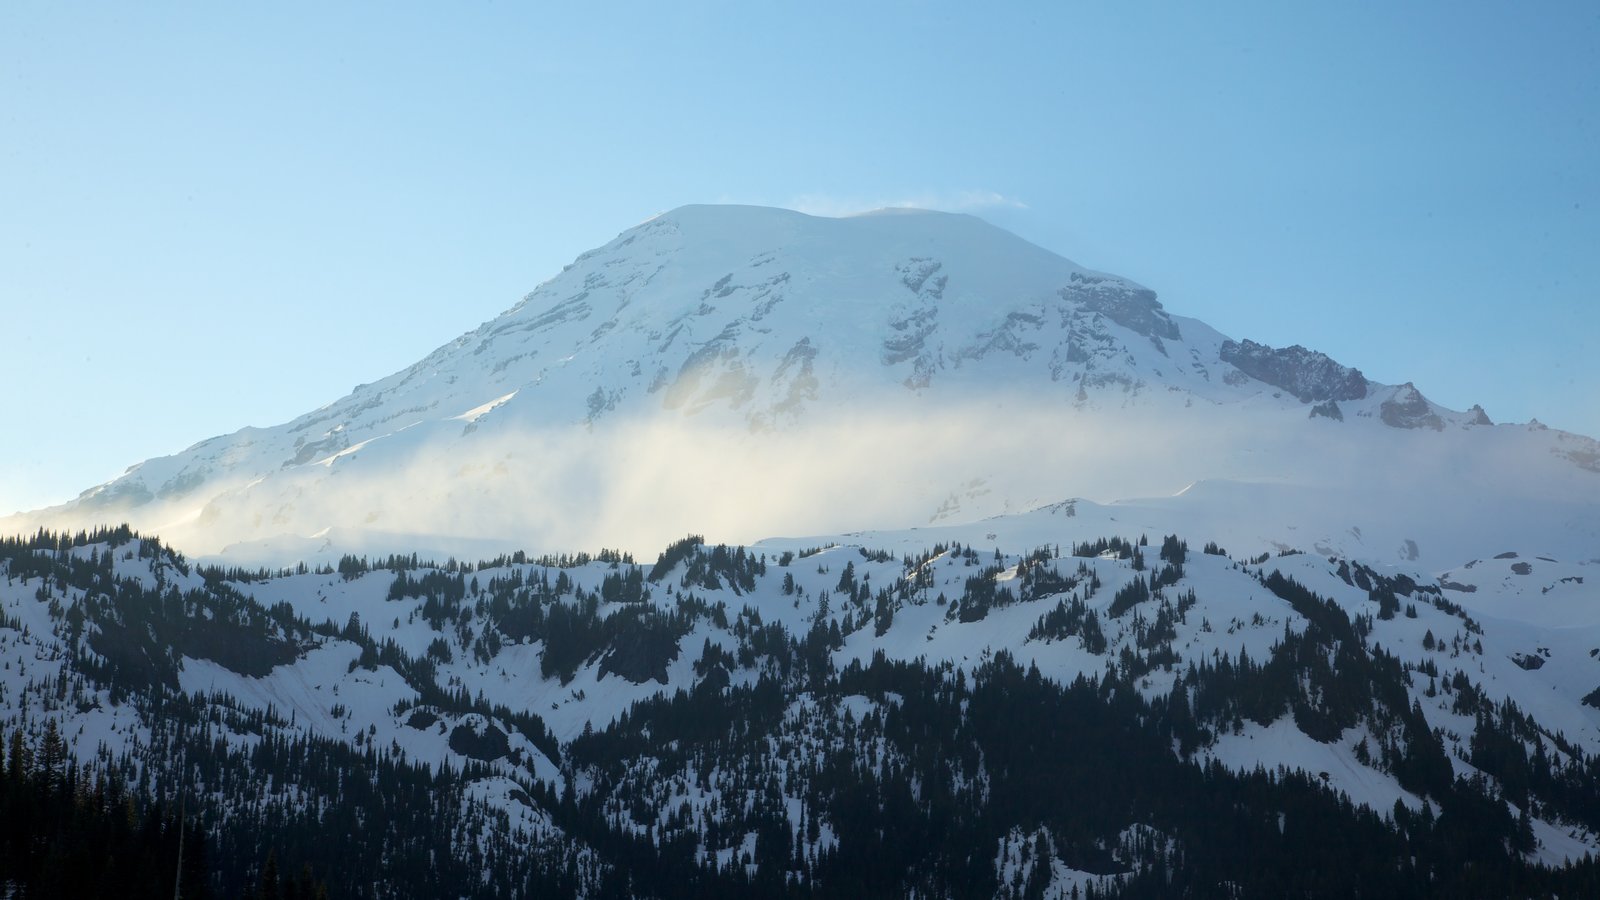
(1328, 409)
(1584, 452)
(1311, 376)
(1409, 409)
(1529, 661)
(1134, 308)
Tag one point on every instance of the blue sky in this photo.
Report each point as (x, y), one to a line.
(214, 216)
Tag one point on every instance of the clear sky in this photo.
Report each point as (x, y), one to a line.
(220, 215)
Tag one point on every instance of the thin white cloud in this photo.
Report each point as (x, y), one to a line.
(948, 201)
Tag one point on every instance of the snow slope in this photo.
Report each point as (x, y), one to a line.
(1469, 627)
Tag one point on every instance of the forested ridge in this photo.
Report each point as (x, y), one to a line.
(778, 731)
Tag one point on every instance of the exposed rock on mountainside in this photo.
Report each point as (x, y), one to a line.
(1134, 308)
(1310, 376)
(1407, 408)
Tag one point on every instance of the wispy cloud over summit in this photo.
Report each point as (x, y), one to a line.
(948, 201)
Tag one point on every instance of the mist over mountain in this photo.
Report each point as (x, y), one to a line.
(744, 372)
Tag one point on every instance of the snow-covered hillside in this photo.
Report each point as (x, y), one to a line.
(708, 706)
(743, 372)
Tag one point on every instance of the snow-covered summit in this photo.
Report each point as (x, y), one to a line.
(744, 371)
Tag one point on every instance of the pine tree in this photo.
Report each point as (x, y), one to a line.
(268, 889)
(52, 752)
(17, 759)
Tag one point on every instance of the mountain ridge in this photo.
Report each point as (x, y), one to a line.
(587, 725)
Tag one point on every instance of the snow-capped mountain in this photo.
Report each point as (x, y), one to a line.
(1389, 688)
(743, 371)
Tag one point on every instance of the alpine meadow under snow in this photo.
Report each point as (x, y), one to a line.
(1017, 584)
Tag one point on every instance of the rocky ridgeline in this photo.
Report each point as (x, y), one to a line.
(1310, 376)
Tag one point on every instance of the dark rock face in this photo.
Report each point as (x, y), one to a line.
(1135, 309)
(1409, 409)
(1328, 409)
(1310, 376)
(1479, 417)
